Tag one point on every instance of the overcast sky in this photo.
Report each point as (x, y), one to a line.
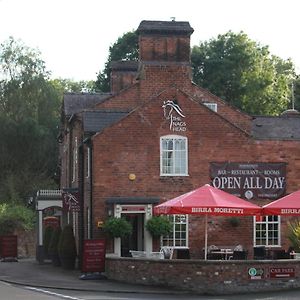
(74, 36)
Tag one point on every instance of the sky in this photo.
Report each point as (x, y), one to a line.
(74, 36)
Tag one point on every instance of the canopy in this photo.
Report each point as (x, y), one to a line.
(288, 205)
(208, 200)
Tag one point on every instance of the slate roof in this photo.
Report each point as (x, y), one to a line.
(76, 102)
(165, 27)
(96, 120)
(276, 128)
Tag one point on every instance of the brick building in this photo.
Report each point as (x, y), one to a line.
(158, 135)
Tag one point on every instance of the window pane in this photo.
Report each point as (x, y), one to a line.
(267, 231)
(174, 156)
(178, 237)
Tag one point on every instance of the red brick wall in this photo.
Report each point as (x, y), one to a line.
(203, 277)
(132, 146)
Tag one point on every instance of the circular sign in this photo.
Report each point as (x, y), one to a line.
(252, 272)
(249, 194)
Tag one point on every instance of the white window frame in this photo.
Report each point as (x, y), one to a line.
(212, 106)
(268, 222)
(162, 151)
(173, 240)
(74, 160)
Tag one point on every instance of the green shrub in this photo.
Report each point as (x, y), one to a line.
(47, 237)
(158, 226)
(15, 216)
(294, 234)
(67, 244)
(117, 227)
(53, 246)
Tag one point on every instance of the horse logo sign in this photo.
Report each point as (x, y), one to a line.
(174, 113)
(71, 201)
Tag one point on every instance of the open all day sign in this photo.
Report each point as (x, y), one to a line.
(250, 180)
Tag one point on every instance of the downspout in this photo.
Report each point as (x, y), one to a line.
(91, 190)
(88, 143)
(81, 195)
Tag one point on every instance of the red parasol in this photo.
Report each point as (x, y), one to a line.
(208, 200)
(288, 205)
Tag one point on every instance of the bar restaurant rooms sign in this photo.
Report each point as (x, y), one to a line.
(250, 180)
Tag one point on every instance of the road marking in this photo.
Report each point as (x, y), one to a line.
(52, 293)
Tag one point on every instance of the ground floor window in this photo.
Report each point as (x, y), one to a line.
(267, 231)
(179, 235)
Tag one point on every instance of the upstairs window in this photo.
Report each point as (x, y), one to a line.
(173, 156)
(212, 106)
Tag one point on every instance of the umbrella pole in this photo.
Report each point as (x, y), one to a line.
(205, 243)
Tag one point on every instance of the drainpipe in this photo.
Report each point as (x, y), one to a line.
(91, 190)
(81, 195)
(88, 143)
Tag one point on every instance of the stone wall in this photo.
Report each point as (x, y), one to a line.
(207, 277)
(26, 244)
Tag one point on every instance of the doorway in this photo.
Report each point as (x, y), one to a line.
(135, 241)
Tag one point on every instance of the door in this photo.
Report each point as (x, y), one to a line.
(135, 241)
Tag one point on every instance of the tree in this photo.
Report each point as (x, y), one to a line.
(297, 93)
(243, 73)
(125, 48)
(68, 85)
(29, 114)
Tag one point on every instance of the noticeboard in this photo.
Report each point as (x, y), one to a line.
(93, 256)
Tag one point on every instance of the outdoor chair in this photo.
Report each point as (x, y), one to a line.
(240, 255)
(167, 252)
(280, 254)
(259, 252)
(183, 254)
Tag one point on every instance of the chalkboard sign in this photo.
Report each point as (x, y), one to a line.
(93, 256)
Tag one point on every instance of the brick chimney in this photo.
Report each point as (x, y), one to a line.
(161, 41)
(123, 74)
(165, 56)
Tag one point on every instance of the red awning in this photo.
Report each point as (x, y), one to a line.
(208, 200)
(288, 205)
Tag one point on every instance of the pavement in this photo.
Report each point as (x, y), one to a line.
(28, 272)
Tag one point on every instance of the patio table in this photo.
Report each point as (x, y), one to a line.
(225, 253)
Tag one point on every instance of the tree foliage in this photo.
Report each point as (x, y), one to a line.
(29, 114)
(14, 216)
(125, 48)
(297, 93)
(231, 66)
(243, 73)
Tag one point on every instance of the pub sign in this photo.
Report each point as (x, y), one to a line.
(250, 180)
(71, 200)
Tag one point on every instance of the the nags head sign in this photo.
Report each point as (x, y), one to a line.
(250, 180)
(174, 114)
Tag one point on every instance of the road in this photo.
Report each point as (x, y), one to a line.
(11, 292)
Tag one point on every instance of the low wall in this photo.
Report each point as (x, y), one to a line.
(207, 277)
